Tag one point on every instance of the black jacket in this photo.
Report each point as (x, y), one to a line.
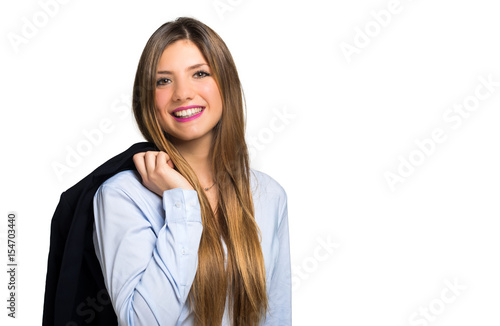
(74, 290)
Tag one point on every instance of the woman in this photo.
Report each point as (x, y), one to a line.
(194, 237)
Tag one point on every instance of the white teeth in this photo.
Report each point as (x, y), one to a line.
(188, 113)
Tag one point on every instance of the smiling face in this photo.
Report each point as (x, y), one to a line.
(187, 98)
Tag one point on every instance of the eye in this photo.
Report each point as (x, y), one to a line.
(201, 74)
(163, 81)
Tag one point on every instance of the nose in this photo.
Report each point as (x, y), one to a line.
(183, 91)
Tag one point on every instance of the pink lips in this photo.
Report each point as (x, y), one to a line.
(185, 108)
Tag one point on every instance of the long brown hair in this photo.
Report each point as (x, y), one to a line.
(244, 279)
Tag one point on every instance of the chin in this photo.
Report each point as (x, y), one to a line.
(184, 137)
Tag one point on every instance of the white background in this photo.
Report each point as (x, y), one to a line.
(351, 120)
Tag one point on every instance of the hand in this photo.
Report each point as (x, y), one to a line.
(157, 172)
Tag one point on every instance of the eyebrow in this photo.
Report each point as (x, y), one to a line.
(167, 72)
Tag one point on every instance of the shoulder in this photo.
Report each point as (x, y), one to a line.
(126, 183)
(124, 180)
(263, 184)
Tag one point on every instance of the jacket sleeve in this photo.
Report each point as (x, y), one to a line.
(280, 292)
(148, 274)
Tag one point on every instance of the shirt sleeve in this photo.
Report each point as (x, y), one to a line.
(280, 292)
(148, 274)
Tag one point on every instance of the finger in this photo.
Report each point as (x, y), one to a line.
(166, 158)
(139, 163)
(150, 161)
(162, 159)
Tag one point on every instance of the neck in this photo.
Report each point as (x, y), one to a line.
(197, 153)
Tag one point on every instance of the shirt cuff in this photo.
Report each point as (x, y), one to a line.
(181, 205)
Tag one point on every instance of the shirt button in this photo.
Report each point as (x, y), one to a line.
(177, 204)
(183, 251)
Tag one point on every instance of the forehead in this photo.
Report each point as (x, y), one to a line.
(180, 54)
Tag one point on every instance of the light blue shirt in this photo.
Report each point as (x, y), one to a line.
(148, 249)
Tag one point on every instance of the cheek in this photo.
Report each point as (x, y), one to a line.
(162, 97)
(211, 92)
